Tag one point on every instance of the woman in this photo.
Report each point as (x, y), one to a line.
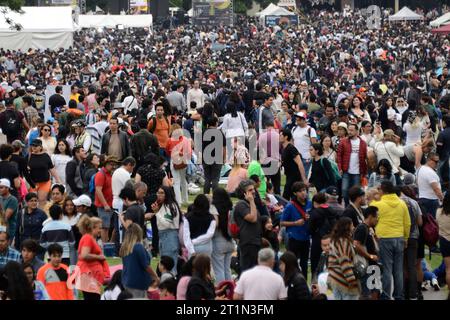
(179, 148)
(414, 156)
(41, 166)
(185, 276)
(200, 286)
(237, 174)
(293, 278)
(92, 166)
(366, 133)
(30, 220)
(341, 277)
(333, 131)
(17, 284)
(198, 227)
(39, 290)
(60, 159)
(92, 267)
(328, 149)
(383, 172)
(222, 244)
(443, 220)
(71, 217)
(322, 175)
(234, 127)
(58, 193)
(282, 114)
(357, 109)
(168, 217)
(412, 129)
(137, 272)
(388, 115)
(48, 141)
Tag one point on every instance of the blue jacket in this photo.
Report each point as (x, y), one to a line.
(291, 214)
(135, 275)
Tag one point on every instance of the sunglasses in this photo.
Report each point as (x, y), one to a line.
(46, 130)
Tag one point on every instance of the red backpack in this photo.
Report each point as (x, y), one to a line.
(430, 230)
(233, 228)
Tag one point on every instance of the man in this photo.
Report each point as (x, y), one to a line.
(115, 142)
(7, 253)
(10, 207)
(134, 212)
(75, 169)
(365, 245)
(248, 219)
(83, 205)
(443, 141)
(29, 251)
(57, 100)
(97, 130)
(332, 195)
(352, 160)
(264, 115)
(292, 163)
(83, 138)
(30, 220)
(74, 94)
(213, 154)
(143, 142)
(29, 111)
(295, 218)
(354, 210)
(159, 126)
(393, 232)
(13, 122)
(176, 98)
(39, 100)
(304, 136)
(269, 148)
(260, 282)
(119, 179)
(330, 115)
(428, 183)
(8, 169)
(56, 231)
(103, 194)
(392, 150)
(196, 94)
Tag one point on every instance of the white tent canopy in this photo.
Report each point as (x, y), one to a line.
(444, 19)
(42, 28)
(111, 21)
(274, 10)
(405, 14)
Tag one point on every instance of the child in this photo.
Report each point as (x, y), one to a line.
(54, 275)
(114, 288)
(167, 289)
(166, 264)
(275, 208)
(153, 291)
(271, 236)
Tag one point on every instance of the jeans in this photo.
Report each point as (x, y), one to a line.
(301, 250)
(205, 248)
(410, 265)
(137, 294)
(391, 257)
(348, 181)
(118, 227)
(179, 184)
(169, 245)
(340, 295)
(221, 258)
(275, 179)
(306, 165)
(212, 176)
(430, 206)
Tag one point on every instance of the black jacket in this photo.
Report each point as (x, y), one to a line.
(322, 222)
(298, 288)
(74, 177)
(199, 289)
(351, 213)
(126, 149)
(143, 142)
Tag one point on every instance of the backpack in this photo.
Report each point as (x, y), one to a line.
(430, 230)
(11, 123)
(233, 228)
(92, 182)
(153, 128)
(334, 170)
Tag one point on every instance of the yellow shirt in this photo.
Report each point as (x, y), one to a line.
(393, 217)
(75, 97)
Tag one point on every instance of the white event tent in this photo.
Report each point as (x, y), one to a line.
(405, 14)
(444, 19)
(42, 28)
(112, 21)
(273, 10)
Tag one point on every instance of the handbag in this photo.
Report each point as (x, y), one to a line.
(360, 265)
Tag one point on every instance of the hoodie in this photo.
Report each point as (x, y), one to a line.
(393, 217)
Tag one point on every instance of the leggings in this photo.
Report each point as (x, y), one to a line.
(90, 296)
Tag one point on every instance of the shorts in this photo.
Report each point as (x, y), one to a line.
(444, 246)
(42, 186)
(105, 216)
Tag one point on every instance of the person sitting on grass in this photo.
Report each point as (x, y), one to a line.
(54, 275)
(167, 289)
(114, 288)
(166, 264)
(29, 249)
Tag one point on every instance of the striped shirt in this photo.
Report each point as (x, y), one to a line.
(60, 233)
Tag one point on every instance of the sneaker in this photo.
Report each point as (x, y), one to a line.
(435, 284)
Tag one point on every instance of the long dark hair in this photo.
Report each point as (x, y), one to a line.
(291, 265)
(387, 165)
(342, 229)
(116, 280)
(222, 201)
(231, 109)
(68, 152)
(19, 288)
(202, 266)
(170, 200)
(200, 206)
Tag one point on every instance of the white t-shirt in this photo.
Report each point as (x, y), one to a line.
(302, 140)
(425, 177)
(261, 283)
(60, 162)
(413, 134)
(353, 167)
(111, 294)
(119, 179)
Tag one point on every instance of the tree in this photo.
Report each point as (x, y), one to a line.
(11, 5)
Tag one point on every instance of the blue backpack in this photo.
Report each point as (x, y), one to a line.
(92, 182)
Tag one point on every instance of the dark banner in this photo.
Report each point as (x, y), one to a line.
(212, 12)
(281, 20)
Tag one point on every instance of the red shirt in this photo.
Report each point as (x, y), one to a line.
(104, 179)
(95, 268)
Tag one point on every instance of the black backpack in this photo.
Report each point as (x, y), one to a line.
(11, 123)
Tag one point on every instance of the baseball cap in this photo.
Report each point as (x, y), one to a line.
(82, 200)
(300, 115)
(18, 143)
(332, 191)
(343, 125)
(5, 183)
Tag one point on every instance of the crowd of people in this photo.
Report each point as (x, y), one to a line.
(318, 155)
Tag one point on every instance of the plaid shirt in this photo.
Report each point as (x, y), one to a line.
(10, 255)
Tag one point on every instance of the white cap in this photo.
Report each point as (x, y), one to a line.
(5, 183)
(300, 115)
(83, 200)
